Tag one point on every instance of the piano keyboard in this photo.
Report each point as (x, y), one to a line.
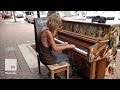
(77, 49)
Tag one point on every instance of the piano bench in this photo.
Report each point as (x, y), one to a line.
(59, 68)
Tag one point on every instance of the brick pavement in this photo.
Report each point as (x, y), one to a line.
(13, 34)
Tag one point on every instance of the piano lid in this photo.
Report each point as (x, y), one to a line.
(88, 21)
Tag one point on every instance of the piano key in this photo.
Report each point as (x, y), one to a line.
(59, 41)
(77, 49)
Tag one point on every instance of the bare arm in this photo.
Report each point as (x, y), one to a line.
(55, 46)
(62, 44)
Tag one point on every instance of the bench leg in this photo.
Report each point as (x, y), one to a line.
(67, 72)
(52, 74)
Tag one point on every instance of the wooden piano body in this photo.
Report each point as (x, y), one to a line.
(97, 42)
(97, 45)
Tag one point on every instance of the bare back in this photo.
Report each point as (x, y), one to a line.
(45, 51)
(44, 38)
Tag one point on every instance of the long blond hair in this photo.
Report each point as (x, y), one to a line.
(53, 22)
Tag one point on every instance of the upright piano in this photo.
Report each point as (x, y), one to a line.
(96, 45)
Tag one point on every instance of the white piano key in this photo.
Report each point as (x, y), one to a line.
(58, 40)
(77, 49)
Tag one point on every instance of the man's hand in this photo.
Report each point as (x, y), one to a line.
(71, 46)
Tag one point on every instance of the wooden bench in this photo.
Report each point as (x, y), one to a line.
(59, 68)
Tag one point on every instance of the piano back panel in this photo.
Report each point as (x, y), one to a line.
(96, 32)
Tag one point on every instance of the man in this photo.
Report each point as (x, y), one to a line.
(48, 47)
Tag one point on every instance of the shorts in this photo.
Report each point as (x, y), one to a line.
(60, 56)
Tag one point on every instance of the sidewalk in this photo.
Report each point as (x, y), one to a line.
(11, 35)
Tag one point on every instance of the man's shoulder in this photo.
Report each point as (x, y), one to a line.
(45, 28)
(47, 31)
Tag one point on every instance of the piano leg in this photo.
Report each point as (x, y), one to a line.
(102, 64)
(92, 70)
